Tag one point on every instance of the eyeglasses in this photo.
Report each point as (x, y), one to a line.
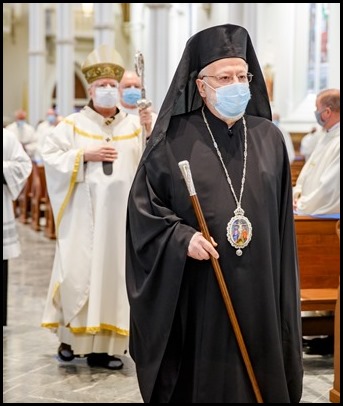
(227, 80)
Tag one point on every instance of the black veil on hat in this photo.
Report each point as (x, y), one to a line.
(203, 48)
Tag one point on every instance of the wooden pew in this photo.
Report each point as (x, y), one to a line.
(319, 262)
(38, 199)
(296, 167)
(296, 139)
(40, 203)
(24, 201)
(50, 231)
(335, 392)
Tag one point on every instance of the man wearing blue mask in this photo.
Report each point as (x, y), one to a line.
(90, 160)
(326, 120)
(42, 129)
(130, 90)
(216, 115)
(25, 132)
(317, 190)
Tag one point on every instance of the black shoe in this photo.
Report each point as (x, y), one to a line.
(65, 352)
(105, 361)
(320, 346)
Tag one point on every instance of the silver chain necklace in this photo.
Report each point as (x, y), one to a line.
(239, 229)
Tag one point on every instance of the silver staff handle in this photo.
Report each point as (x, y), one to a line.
(142, 103)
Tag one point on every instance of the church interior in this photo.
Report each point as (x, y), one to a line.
(44, 45)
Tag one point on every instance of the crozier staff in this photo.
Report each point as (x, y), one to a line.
(142, 103)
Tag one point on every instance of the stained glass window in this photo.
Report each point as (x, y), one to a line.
(318, 52)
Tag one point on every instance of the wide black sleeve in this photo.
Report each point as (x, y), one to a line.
(157, 243)
(290, 291)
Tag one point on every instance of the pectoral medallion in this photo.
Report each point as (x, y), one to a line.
(239, 231)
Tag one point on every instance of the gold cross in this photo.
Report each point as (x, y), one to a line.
(109, 120)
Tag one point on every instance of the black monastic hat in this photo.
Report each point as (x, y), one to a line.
(203, 48)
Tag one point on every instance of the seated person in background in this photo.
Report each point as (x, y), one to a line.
(24, 131)
(130, 90)
(317, 189)
(287, 137)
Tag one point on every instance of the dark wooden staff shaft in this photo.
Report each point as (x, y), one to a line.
(227, 299)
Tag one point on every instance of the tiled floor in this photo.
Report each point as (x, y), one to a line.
(33, 374)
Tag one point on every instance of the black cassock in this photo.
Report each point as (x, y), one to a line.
(181, 338)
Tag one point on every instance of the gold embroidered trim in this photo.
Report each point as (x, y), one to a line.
(90, 330)
(70, 190)
(99, 137)
(103, 71)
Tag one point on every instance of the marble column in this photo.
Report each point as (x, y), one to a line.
(250, 20)
(157, 52)
(104, 24)
(37, 62)
(134, 32)
(65, 58)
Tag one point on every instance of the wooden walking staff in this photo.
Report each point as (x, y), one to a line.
(187, 175)
(142, 103)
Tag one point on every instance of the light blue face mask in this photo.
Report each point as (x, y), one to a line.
(319, 119)
(131, 95)
(232, 100)
(51, 118)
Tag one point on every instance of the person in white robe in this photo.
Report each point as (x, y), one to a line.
(310, 140)
(25, 132)
(44, 126)
(130, 90)
(90, 161)
(317, 190)
(17, 167)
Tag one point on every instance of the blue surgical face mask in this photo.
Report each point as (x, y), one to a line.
(21, 123)
(232, 100)
(319, 119)
(106, 97)
(131, 95)
(51, 118)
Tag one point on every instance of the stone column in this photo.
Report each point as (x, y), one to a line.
(103, 24)
(157, 52)
(134, 33)
(65, 59)
(36, 63)
(250, 20)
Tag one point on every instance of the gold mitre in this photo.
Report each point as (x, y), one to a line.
(102, 63)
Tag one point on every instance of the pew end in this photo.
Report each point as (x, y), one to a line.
(319, 266)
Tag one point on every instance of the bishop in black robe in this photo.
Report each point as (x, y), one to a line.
(181, 338)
